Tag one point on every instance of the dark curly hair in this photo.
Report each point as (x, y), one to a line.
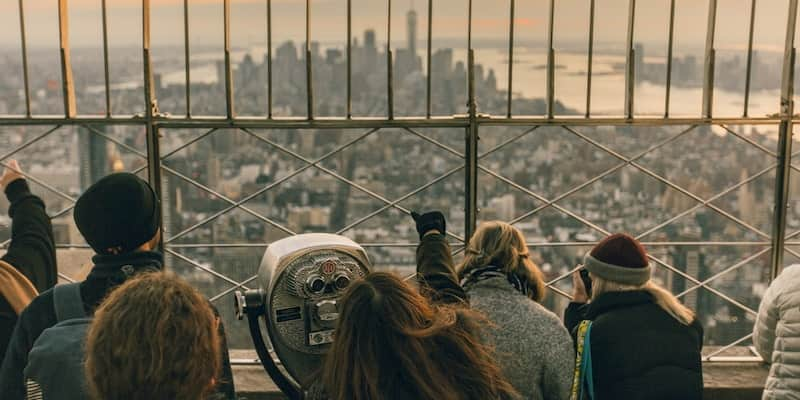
(154, 337)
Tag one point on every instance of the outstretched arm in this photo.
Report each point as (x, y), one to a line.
(435, 269)
(32, 248)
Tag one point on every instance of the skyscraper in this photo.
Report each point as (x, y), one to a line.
(406, 60)
(411, 32)
(93, 156)
(369, 39)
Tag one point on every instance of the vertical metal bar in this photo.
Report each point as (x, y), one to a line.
(471, 154)
(151, 131)
(469, 28)
(24, 45)
(551, 55)
(708, 81)
(269, 59)
(670, 45)
(309, 79)
(749, 58)
(428, 77)
(187, 59)
(154, 173)
(350, 59)
(630, 61)
(105, 59)
(510, 56)
(589, 61)
(147, 66)
(228, 73)
(389, 72)
(471, 141)
(66, 66)
(784, 145)
(150, 102)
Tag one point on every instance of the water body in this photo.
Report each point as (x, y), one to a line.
(530, 81)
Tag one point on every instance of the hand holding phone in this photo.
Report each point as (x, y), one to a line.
(587, 281)
(580, 292)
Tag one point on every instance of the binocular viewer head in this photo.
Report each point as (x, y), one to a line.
(300, 283)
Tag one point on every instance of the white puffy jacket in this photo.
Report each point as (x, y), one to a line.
(777, 335)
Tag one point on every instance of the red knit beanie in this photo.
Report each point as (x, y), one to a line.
(622, 250)
(619, 258)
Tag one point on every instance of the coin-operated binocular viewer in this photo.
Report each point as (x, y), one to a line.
(300, 283)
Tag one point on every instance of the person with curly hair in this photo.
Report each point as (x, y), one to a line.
(154, 337)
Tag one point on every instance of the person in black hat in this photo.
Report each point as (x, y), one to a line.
(119, 217)
(634, 339)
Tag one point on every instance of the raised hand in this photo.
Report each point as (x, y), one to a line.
(11, 173)
(429, 221)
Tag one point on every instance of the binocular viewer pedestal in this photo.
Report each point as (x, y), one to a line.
(300, 283)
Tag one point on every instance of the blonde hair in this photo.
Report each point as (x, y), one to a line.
(502, 245)
(154, 337)
(666, 300)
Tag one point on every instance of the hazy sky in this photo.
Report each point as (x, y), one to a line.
(248, 21)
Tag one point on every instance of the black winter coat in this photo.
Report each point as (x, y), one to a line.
(106, 275)
(31, 250)
(639, 351)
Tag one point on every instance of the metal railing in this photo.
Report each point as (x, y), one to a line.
(471, 159)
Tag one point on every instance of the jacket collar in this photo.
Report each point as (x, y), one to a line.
(614, 300)
(120, 267)
(494, 274)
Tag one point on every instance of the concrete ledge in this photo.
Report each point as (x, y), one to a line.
(734, 381)
(252, 383)
(723, 380)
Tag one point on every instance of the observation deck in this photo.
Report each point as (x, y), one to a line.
(743, 380)
(256, 120)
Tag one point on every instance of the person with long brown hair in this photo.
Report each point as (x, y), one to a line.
(635, 340)
(502, 281)
(154, 337)
(393, 342)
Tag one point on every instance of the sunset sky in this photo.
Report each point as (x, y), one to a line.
(248, 21)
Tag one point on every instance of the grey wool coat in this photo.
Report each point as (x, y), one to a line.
(531, 344)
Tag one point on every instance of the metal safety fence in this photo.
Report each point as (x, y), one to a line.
(480, 163)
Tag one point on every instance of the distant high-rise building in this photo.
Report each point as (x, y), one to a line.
(246, 74)
(94, 160)
(370, 52)
(442, 63)
(369, 39)
(406, 60)
(411, 32)
(693, 262)
(220, 72)
(315, 50)
(746, 199)
(638, 62)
